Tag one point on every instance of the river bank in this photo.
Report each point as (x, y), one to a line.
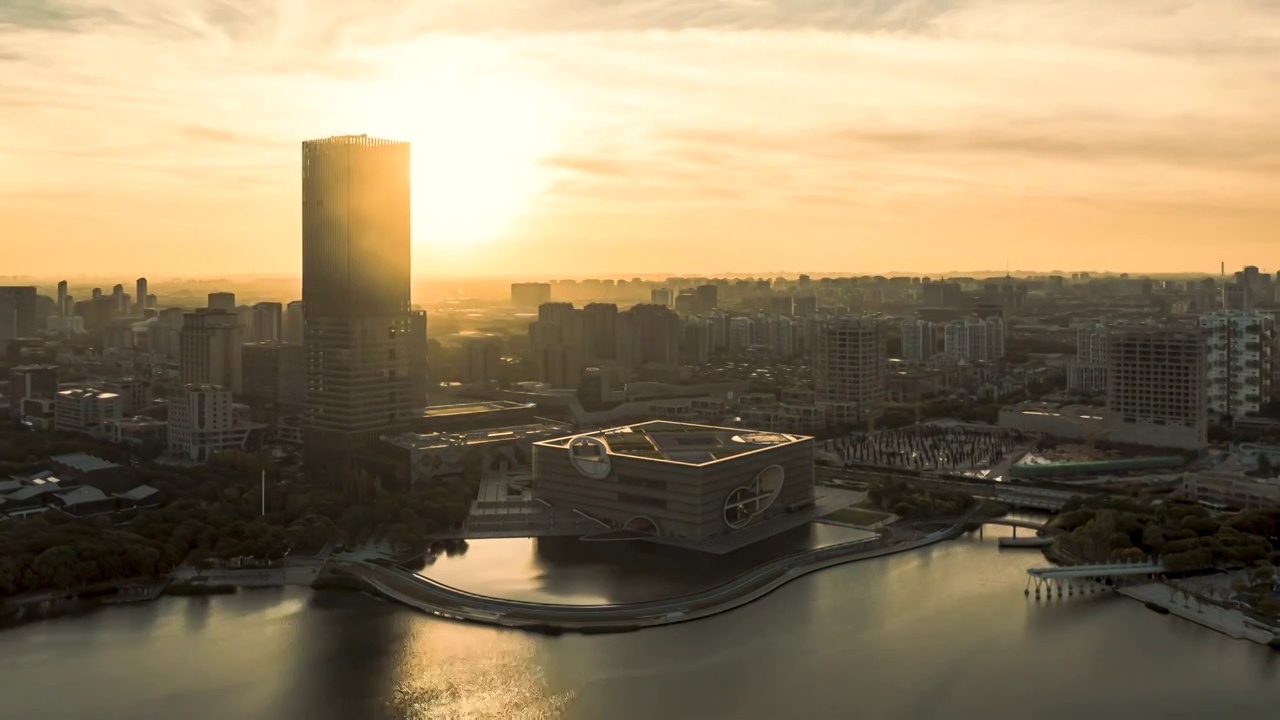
(1229, 622)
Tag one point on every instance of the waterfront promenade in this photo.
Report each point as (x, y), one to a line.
(444, 601)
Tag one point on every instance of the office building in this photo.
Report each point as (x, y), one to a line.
(222, 301)
(204, 421)
(63, 304)
(693, 484)
(274, 373)
(209, 349)
(85, 410)
(850, 368)
(1156, 386)
(355, 288)
(38, 382)
(706, 297)
(140, 296)
(17, 314)
(530, 295)
(1241, 361)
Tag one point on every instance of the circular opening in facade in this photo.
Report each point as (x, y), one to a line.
(642, 524)
(748, 501)
(590, 457)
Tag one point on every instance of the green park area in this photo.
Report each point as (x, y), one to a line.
(857, 516)
(1187, 538)
(915, 503)
(207, 513)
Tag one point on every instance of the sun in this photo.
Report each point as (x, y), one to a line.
(479, 130)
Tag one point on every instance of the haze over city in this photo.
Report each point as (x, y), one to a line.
(581, 138)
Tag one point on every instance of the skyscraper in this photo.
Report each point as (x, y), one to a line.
(62, 298)
(140, 295)
(355, 287)
(17, 314)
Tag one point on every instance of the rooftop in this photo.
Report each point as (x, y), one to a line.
(84, 462)
(473, 407)
(683, 443)
(428, 441)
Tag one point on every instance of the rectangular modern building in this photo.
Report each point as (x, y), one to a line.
(1156, 386)
(355, 288)
(676, 480)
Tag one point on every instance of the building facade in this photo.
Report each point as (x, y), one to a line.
(1088, 372)
(209, 349)
(675, 480)
(204, 420)
(1156, 386)
(85, 410)
(1241, 361)
(355, 288)
(850, 364)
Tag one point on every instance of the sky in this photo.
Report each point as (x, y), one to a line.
(567, 138)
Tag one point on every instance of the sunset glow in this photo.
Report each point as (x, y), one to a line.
(560, 137)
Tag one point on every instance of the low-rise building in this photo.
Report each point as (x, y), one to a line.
(85, 410)
(204, 421)
(1231, 490)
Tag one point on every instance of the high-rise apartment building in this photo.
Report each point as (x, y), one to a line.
(482, 356)
(17, 314)
(1240, 362)
(294, 322)
(1156, 386)
(355, 288)
(849, 369)
(556, 341)
(530, 295)
(974, 339)
(222, 301)
(919, 340)
(1088, 372)
(209, 349)
(649, 335)
(600, 331)
(267, 322)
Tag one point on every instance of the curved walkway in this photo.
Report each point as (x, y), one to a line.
(1006, 522)
(445, 601)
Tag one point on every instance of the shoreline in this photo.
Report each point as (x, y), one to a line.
(1231, 623)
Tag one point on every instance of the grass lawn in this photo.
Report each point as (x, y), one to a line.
(857, 516)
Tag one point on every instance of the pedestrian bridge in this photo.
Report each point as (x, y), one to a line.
(1006, 522)
(1102, 570)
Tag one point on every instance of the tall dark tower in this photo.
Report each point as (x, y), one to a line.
(355, 287)
(140, 295)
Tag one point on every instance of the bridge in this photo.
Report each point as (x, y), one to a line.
(1040, 497)
(1056, 579)
(1006, 522)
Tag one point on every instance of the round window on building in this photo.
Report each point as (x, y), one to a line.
(590, 456)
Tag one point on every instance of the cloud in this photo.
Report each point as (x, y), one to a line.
(739, 106)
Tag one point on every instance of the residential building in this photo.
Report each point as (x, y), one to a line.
(1088, 372)
(1241, 361)
(134, 392)
(1156, 386)
(530, 295)
(267, 322)
(210, 349)
(849, 369)
(358, 337)
(294, 322)
(17, 314)
(974, 339)
(204, 421)
(482, 355)
(556, 341)
(222, 301)
(919, 340)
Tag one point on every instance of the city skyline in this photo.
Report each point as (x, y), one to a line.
(671, 136)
